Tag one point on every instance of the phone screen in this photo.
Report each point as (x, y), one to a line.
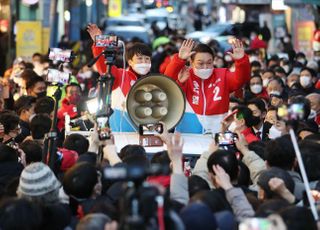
(106, 40)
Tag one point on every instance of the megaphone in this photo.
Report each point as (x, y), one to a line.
(155, 98)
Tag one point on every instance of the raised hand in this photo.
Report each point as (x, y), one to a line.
(93, 30)
(185, 50)
(175, 146)
(221, 177)
(184, 74)
(238, 50)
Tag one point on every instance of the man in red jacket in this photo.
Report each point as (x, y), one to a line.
(207, 89)
(139, 60)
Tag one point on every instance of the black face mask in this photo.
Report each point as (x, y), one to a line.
(255, 120)
(41, 94)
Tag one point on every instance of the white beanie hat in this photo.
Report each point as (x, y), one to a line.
(37, 179)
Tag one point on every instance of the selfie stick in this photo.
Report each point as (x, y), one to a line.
(105, 83)
(304, 175)
(50, 141)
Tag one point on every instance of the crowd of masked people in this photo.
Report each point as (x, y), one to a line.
(255, 185)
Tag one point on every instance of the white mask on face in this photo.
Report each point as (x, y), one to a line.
(142, 68)
(265, 82)
(232, 127)
(274, 92)
(256, 88)
(203, 73)
(286, 68)
(274, 132)
(316, 58)
(313, 114)
(305, 81)
(253, 58)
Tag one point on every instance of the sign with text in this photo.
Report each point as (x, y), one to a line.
(29, 38)
(115, 8)
(303, 37)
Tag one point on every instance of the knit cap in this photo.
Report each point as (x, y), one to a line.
(37, 179)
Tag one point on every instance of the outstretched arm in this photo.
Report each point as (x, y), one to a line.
(178, 61)
(241, 76)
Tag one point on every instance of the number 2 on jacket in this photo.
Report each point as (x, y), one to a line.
(216, 92)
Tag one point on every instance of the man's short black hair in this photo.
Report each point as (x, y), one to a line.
(76, 142)
(297, 218)
(24, 103)
(255, 64)
(245, 113)
(28, 74)
(269, 71)
(280, 153)
(31, 82)
(202, 48)
(138, 49)
(8, 154)
(80, 180)
(311, 158)
(311, 71)
(267, 175)
(44, 105)
(32, 150)
(9, 120)
(259, 103)
(72, 84)
(40, 125)
(225, 159)
(236, 100)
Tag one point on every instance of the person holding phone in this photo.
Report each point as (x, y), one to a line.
(139, 59)
(207, 88)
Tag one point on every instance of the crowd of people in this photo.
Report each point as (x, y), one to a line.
(251, 182)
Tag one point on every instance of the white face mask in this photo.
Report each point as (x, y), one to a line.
(316, 58)
(256, 89)
(312, 114)
(232, 127)
(274, 92)
(142, 68)
(286, 68)
(203, 73)
(274, 132)
(302, 61)
(265, 82)
(305, 81)
(253, 58)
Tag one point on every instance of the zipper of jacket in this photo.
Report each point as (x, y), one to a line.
(204, 103)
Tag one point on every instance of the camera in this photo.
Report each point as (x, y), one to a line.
(293, 112)
(110, 41)
(150, 129)
(57, 77)
(226, 140)
(57, 54)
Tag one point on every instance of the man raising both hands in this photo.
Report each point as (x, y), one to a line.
(206, 88)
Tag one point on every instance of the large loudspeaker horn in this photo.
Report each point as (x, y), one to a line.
(167, 101)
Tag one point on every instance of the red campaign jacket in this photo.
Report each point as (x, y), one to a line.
(66, 109)
(210, 96)
(317, 119)
(128, 80)
(249, 135)
(164, 64)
